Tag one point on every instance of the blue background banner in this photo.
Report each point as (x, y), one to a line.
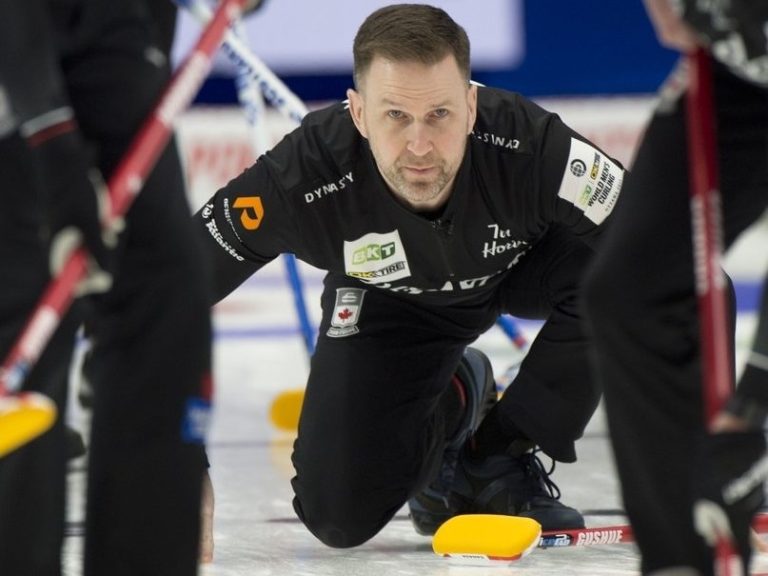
(553, 47)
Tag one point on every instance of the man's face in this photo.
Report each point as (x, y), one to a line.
(416, 118)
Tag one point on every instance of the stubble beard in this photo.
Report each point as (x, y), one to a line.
(418, 192)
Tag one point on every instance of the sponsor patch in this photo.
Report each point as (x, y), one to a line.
(376, 258)
(591, 181)
(346, 312)
(252, 211)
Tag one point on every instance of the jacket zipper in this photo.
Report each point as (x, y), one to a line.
(444, 232)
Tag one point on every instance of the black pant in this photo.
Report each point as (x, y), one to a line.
(32, 488)
(151, 333)
(642, 306)
(372, 430)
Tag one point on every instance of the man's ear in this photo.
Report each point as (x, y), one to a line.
(472, 106)
(356, 111)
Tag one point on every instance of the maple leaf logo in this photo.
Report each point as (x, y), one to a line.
(345, 314)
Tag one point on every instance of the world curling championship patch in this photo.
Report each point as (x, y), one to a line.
(346, 312)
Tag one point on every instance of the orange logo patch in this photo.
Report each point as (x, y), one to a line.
(253, 211)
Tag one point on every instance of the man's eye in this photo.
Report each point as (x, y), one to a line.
(395, 114)
(441, 112)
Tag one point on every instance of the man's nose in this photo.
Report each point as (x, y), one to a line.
(419, 139)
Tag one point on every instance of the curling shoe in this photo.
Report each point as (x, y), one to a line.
(430, 508)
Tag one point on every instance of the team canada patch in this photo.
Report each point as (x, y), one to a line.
(346, 312)
(591, 181)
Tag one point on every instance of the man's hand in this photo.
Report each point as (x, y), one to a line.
(671, 31)
(732, 469)
(75, 198)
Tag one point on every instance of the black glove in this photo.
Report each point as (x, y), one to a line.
(75, 200)
(732, 469)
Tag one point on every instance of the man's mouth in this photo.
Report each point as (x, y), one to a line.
(419, 170)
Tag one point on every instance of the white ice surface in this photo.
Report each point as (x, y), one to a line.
(258, 353)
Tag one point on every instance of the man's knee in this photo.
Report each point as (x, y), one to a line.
(338, 523)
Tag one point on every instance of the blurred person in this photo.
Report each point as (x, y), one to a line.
(435, 205)
(642, 306)
(77, 79)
